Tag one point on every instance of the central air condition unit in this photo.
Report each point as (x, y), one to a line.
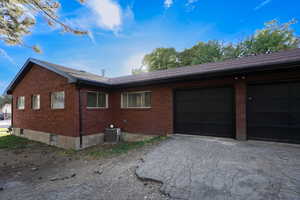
(112, 134)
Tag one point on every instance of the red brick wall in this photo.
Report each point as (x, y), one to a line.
(42, 81)
(155, 120)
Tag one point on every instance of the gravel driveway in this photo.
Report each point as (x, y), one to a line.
(212, 168)
(46, 174)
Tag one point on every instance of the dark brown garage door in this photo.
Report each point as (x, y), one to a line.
(273, 112)
(204, 112)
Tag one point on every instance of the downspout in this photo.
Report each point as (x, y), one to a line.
(80, 119)
(12, 112)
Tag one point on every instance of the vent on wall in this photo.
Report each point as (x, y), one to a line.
(21, 131)
(53, 139)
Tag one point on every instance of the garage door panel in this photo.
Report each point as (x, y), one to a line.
(267, 104)
(294, 90)
(204, 112)
(275, 133)
(273, 112)
(197, 108)
(268, 118)
(295, 118)
(295, 104)
(217, 117)
(207, 129)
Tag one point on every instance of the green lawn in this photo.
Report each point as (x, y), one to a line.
(120, 148)
(106, 150)
(13, 142)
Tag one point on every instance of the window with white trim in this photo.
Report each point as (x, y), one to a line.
(35, 102)
(140, 99)
(97, 99)
(21, 103)
(58, 100)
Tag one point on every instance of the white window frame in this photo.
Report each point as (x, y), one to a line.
(51, 101)
(39, 103)
(135, 92)
(18, 106)
(97, 107)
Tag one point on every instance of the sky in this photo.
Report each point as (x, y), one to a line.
(123, 31)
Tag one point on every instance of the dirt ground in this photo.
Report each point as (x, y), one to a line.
(42, 172)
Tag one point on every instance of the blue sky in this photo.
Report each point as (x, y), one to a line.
(123, 31)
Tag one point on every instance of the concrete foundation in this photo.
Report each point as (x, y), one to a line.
(61, 141)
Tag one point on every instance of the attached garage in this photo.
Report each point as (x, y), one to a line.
(273, 112)
(208, 112)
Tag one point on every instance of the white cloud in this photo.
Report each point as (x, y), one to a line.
(133, 61)
(5, 55)
(107, 12)
(262, 4)
(191, 1)
(168, 3)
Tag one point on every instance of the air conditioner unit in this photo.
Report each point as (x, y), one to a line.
(112, 135)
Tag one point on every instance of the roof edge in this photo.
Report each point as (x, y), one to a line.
(12, 84)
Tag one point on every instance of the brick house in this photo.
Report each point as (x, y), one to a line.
(255, 97)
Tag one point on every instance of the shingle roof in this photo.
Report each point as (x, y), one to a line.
(80, 74)
(250, 62)
(245, 64)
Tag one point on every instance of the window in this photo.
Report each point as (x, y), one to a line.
(35, 102)
(21, 103)
(136, 100)
(58, 100)
(97, 100)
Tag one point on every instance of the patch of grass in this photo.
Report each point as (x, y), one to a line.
(13, 142)
(121, 148)
(69, 152)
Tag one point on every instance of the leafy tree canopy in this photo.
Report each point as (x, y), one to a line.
(272, 38)
(17, 17)
(161, 58)
(5, 99)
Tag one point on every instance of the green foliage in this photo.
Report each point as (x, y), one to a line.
(5, 99)
(13, 142)
(161, 58)
(203, 52)
(272, 38)
(17, 17)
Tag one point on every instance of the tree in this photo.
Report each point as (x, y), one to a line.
(161, 58)
(5, 99)
(17, 17)
(203, 52)
(272, 38)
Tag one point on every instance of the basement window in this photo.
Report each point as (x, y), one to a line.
(141, 99)
(97, 99)
(58, 100)
(21, 103)
(35, 102)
